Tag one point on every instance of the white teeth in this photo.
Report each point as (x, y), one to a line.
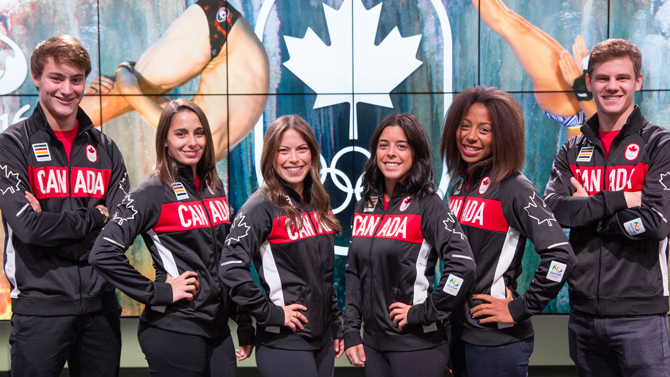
(469, 148)
(294, 169)
(391, 164)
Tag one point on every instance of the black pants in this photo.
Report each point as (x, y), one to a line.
(275, 362)
(180, 355)
(90, 343)
(429, 362)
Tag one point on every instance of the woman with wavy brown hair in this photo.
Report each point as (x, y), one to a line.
(287, 229)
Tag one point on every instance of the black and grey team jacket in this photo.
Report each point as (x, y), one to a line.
(295, 266)
(621, 252)
(46, 252)
(498, 219)
(392, 258)
(184, 231)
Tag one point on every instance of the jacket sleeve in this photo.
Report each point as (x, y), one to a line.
(248, 235)
(352, 301)
(577, 211)
(526, 212)
(245, 327)
(442, 231)
(38, 228)
(137, 215)
(650, 220)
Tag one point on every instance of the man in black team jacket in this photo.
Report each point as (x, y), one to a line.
(610, 186)
(58, 176)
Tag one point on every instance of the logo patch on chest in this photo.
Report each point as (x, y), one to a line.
(459, 188)
(632, 150)
(91, 153)
(405, 203)
(585, 154)
(484, 186)
(180, 191)
(41, 151)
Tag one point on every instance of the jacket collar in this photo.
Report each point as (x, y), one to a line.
(633, 124)
(294, 194)
(39, 120)
(399, 191)
(479, 172)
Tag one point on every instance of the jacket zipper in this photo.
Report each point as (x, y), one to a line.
(600, 250)
(372, 242)
(309, 216)
(69, 189)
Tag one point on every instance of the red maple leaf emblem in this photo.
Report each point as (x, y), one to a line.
(633, 148)
(486, 181)
(91, 149)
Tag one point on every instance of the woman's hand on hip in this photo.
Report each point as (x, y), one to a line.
(293, 317)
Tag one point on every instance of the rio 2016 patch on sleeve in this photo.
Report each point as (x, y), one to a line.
(453, 285)
(634, 227)
(556, 271)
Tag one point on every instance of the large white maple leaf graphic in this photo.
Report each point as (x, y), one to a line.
(452, 220)
(238, 223)
(665, 181)
(376, 69)
(540, 212)
(9, 181)
(127, 202)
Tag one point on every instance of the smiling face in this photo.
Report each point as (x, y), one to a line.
(61, 88)
(474, 135)
(394, 156)
(613, 85)
(186, 139)
(293, 160)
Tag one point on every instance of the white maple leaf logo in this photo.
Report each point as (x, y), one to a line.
(127, 202)
(539, 212)
(665, 181)
(376, 69)
(9, 181)
(238, 223)
(452, 220)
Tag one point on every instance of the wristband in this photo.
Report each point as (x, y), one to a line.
(579, 87)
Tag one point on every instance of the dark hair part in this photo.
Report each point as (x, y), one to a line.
(419, 179)
(166, 166)
(613, 49)
(313, 189)
(63, 49)
(507, 132)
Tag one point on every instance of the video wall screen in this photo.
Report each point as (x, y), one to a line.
(343, 65)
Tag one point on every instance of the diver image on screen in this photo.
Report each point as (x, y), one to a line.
(211, 40)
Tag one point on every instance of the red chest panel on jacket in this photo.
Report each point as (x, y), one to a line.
(479, 213)
(283, 233)
(180, 216)
(54, 182)
(398, 227)
(627, 177)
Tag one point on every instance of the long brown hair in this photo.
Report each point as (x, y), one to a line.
(166, 166)
(507, 131)
(419, 180)
(313, 191)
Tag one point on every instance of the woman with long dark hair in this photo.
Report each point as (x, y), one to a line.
(181, 211)
(401, 228)
(498, 209)
(287, 229)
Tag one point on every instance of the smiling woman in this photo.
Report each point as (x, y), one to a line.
(287, 229)
(498, 207)
(401, 228)
(182, 213)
